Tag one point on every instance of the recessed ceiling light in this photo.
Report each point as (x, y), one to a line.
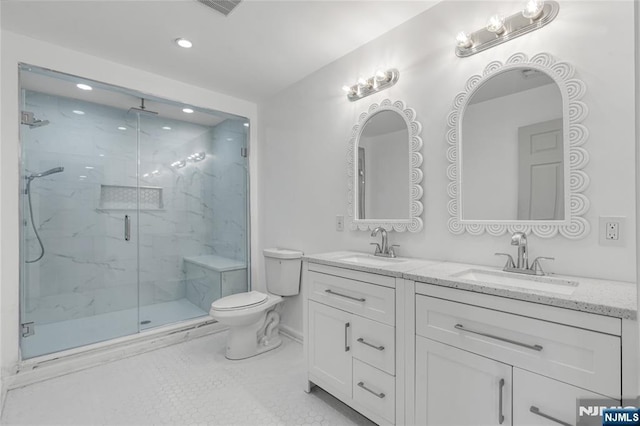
(88, 167)
(82, 86)
(183, 42)
(166, 128)
(77, 111)
(187, 110)
(122, 128)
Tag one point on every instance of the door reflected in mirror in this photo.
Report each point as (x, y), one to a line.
(512, 149)
(383, 168)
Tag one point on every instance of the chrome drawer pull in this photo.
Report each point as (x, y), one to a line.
(379, 395)
(535, 410)
(380, 348)
(127, 228)
(491, 336)
(358, 299)
(346, 336)
(500, 415)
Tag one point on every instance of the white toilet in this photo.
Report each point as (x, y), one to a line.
(253, 317)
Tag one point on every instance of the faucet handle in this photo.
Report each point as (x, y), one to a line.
(536, 266)
(510, 262)
(378, 250)
(392, 252)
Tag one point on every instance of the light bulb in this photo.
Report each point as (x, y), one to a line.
(183, 42)
(362, 82)
(533, 9)
(496, 24)
(463, 40)
(381, 75)
(347, 89)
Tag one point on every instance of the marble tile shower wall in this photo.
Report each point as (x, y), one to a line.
(89, 268)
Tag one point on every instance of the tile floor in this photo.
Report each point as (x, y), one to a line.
(190, 383)
(61, 335)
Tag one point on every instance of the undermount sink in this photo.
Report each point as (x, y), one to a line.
(370, 260)
(514, 280)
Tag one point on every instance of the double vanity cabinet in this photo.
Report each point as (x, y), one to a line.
(407, 342)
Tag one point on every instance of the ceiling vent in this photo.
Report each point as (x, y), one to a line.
(223, 6)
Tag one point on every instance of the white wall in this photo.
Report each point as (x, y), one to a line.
(15, 49)
(305, 129)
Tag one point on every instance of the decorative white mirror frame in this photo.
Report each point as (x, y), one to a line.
(575, 134)
(414, 142)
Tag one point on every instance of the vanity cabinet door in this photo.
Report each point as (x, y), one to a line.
(330, 348)
(539, 400)
(456, 387)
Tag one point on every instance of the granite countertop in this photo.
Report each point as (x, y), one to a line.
(604, 297)
(395, 270)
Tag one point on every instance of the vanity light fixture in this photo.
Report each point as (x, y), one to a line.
(179, 164)
(365, 87)
(536, 14)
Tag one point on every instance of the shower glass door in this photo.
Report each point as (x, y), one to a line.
(80, 285)
(141, 209)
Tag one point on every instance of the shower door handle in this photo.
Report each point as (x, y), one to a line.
(127, 228)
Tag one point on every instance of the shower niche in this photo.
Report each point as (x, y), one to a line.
(134, 192)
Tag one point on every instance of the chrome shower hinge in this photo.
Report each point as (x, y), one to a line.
(28, 329)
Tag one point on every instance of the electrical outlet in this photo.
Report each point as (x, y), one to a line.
(339, 222)
(612, 230)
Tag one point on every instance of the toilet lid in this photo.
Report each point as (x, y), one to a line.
(239, 300)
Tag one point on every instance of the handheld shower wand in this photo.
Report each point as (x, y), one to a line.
(29, 179)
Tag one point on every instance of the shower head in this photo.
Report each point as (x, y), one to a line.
(142, 110)
(46, 173)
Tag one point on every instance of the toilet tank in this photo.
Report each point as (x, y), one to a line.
(282, 269)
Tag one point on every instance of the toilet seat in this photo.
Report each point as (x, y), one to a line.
(239, 301)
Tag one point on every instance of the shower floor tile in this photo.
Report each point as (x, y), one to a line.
(58, 336)
(188, 383)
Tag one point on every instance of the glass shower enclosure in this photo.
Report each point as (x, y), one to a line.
(134, 211)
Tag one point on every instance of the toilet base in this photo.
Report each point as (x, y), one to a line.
(236, 355)
(248, 341)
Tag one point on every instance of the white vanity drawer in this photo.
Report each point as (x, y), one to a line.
(538, 400)
(374, 390)
(365, 299)
(374, 343)
(585, 358)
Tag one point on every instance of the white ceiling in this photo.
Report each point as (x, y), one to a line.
(261, 48)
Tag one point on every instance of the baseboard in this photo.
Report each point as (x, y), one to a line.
(34, 371)
(291, 333)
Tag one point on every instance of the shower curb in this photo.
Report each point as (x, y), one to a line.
(67, 362)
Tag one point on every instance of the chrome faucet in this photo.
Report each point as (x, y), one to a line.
(384, 250)
(520, 239)
(521, 265)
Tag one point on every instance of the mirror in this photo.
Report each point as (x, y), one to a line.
(511, 142)
(516, 150)
(384, 169)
